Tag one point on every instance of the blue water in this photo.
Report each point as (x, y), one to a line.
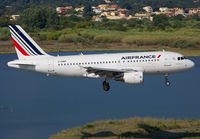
(39, 106)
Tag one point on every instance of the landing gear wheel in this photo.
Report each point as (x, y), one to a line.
(167, 83)
(106, 86)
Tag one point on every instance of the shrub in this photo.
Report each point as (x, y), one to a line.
(4, 34)
(53, 36)
(38, 37)
(197, 26)
(107, 38)
(140, 40)
(89, 126)
(70, 38)
(182, 43)
(4, 37)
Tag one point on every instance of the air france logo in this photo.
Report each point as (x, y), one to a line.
(140, 57)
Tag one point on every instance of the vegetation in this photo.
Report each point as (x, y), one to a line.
(44, 25)
(76, 34)
(134, 128)
(181, 38)
(136, 5)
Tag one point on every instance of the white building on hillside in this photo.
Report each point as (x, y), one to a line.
(148, 9)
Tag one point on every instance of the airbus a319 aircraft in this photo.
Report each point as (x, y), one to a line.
(125, 67)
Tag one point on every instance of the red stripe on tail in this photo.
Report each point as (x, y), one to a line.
(20, 48)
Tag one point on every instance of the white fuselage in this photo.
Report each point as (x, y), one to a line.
(125, 67)
(74, 66)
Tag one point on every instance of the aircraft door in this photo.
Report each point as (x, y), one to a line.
(51, 66)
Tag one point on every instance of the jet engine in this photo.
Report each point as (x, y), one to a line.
(130, 77)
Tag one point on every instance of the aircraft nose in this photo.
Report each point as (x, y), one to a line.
(191, 64)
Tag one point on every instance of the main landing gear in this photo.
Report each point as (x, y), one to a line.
(167, 83)
(106, 85)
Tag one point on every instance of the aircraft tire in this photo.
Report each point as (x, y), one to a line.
(167, 83)
(106, 86)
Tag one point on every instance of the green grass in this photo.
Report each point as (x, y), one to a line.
(134, 128)
(182, 38)
(4, 34)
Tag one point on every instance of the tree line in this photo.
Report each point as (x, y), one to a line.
(37, 18)
(136, 5)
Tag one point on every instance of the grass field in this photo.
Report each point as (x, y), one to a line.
(135, 128)
(185, 40)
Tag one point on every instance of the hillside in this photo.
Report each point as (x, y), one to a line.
(153, 3)
(134, 128)
(136, 5)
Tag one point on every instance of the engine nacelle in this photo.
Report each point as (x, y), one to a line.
(131, 78)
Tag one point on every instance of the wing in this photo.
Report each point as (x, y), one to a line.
(111, 72)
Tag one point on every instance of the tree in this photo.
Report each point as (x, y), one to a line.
(39, 17)
(161, 21)
(87, 12)
(179, 17)
(4, 21)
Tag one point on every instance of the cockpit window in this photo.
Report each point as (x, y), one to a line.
(181, 58)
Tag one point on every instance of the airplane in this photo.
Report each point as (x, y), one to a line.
(125, 67)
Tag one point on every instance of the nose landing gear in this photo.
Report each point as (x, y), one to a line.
(106, 86)
(167, 83)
